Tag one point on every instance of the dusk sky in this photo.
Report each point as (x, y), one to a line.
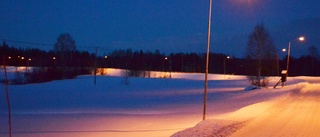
(166, 25)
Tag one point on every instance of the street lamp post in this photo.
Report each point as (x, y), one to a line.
(170, 67)
(289, 45)
(207, 65)
(278, 65)
(28, 64)
(106, 61)
(165, 58)
(54, 61)
(224, 65)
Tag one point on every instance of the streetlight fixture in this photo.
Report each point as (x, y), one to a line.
(289, 45)
(224, 65)
(207, 65)
(28, 64)
(301, 38)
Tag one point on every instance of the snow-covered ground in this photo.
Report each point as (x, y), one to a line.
(146, 107)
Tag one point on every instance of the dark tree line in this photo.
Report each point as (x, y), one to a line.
(174, 62)
(41, 58)
(307, 65)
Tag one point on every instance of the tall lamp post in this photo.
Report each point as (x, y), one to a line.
(289, 45)
(207, 65)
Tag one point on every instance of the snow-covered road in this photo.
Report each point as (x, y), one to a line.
(296, 115)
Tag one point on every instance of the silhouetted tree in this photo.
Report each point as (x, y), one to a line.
(261, 50)
(65, 46)
(64, 43)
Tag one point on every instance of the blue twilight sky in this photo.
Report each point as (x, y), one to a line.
(166, 25)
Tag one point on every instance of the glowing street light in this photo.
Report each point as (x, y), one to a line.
(284, 50)
(289, 45)
(301, 38)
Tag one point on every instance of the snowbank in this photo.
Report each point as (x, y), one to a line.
(212, 127)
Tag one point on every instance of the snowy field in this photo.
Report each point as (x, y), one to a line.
(157, 107)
